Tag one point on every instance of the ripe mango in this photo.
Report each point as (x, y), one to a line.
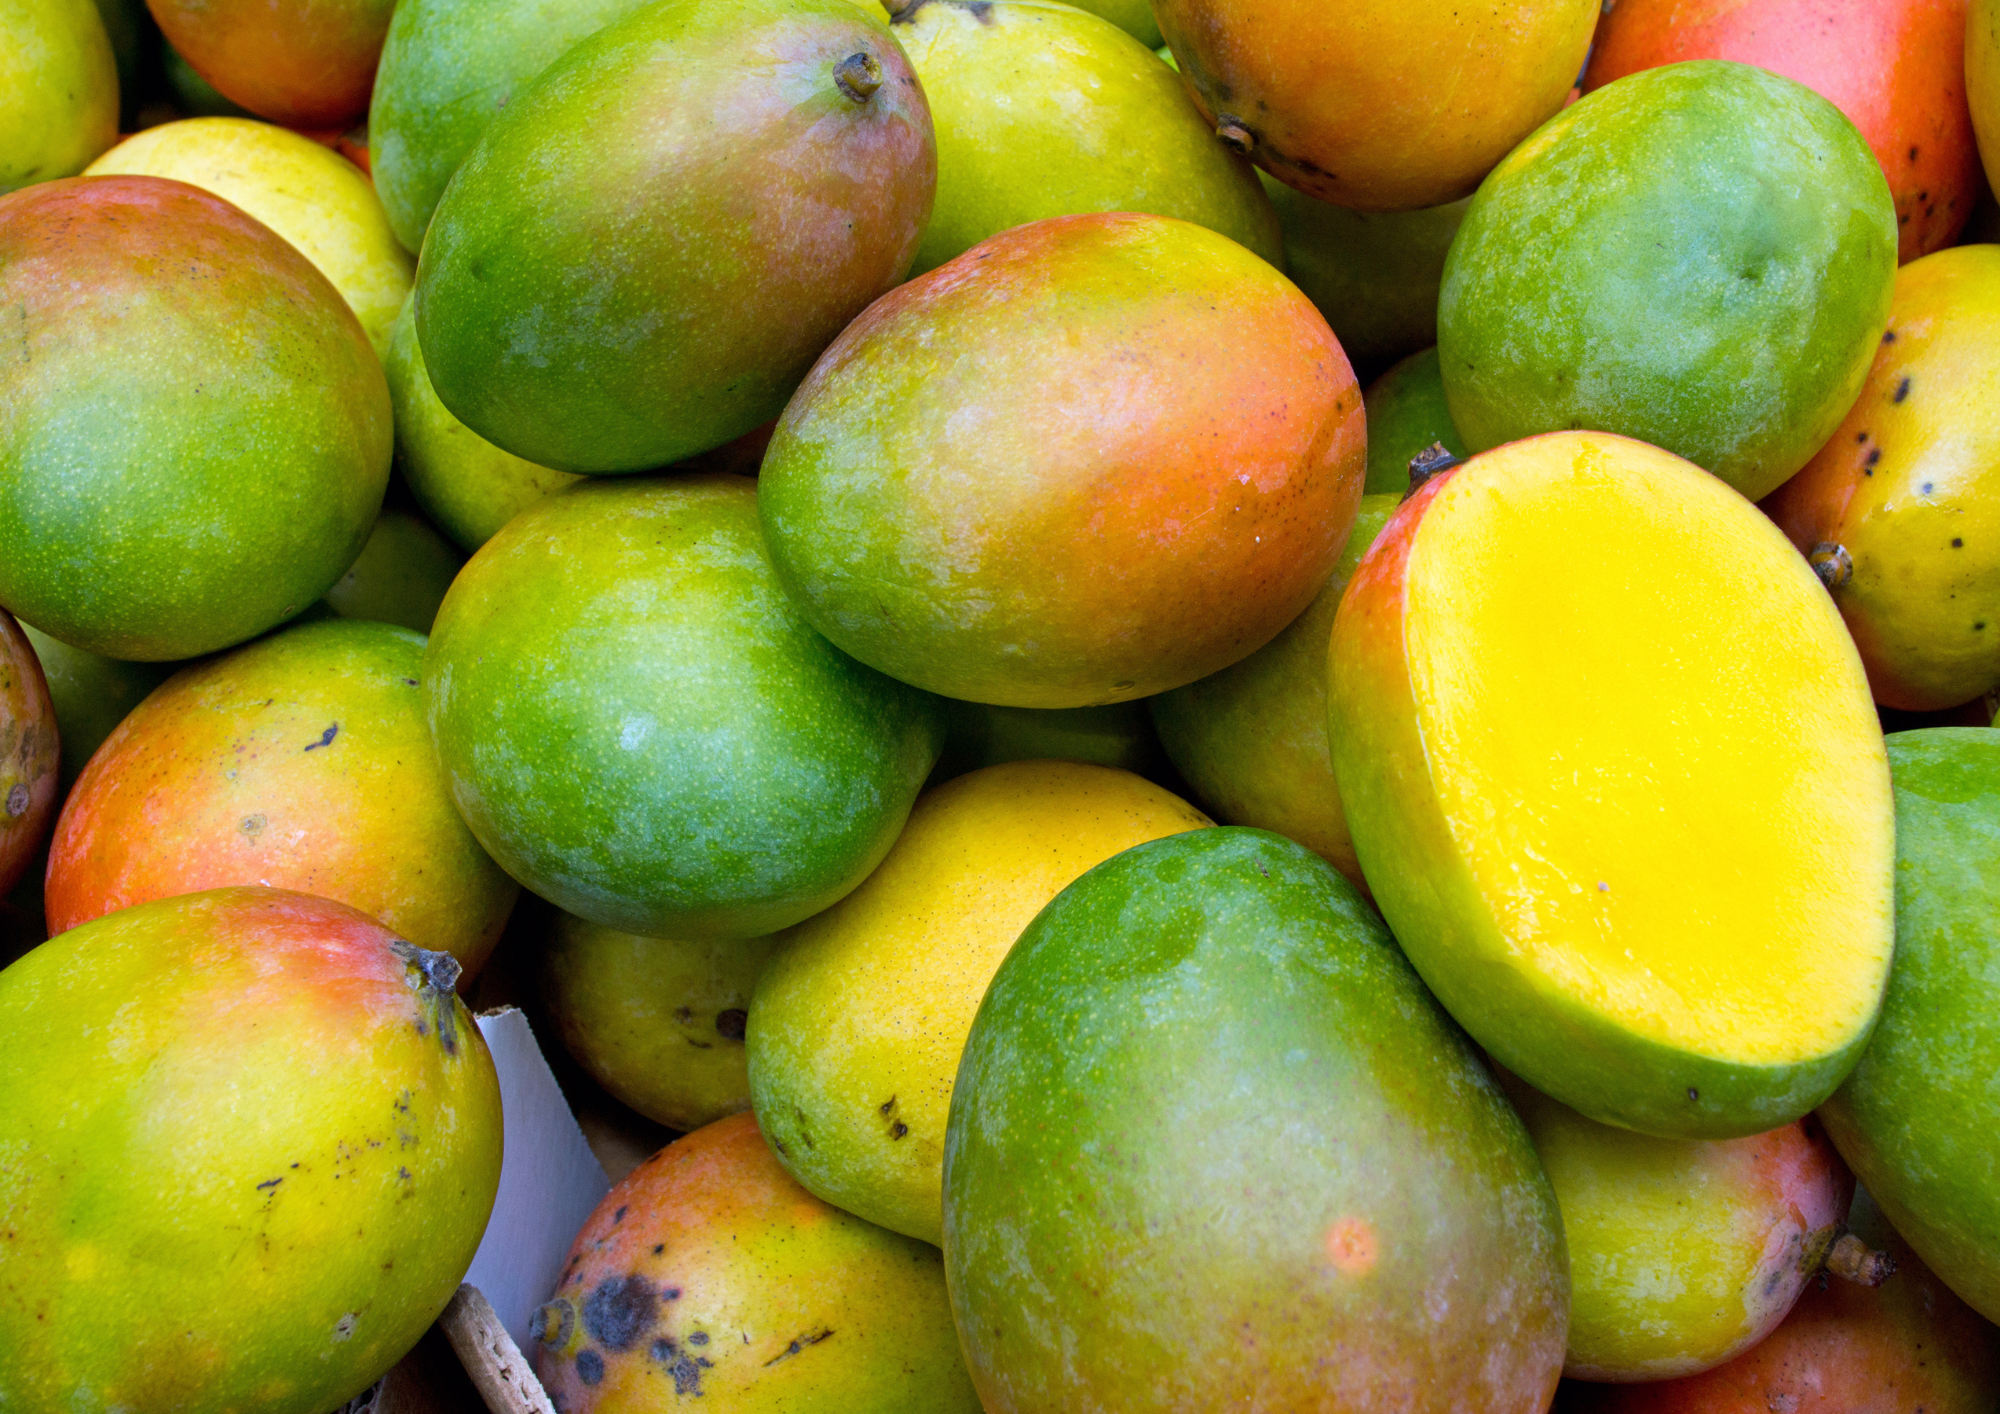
(303, 63)
(58, 90)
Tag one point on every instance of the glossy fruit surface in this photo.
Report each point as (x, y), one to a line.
(58, 90)
(1407, 414)
(1538, 763)
(1629, 269)
(30, 753)
(1093, 458)
(254, 1141)
(303, 63)
(197, 443)
(1211, 1144)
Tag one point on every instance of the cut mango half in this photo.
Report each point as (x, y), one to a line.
(1616, 781)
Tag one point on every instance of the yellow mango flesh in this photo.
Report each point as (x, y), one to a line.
(860, 1015)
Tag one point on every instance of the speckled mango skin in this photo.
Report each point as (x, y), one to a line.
(640, 727)
(1908, 490)
(1407, 412)
(198, 444)
(58, 90)
(1699, 256)
(1915, 1120)
(1213, 1145)
(299, 762)
(249, 1151)
(1251, 739)
(30, 753)
(1092, 458)
(1982, 81)
(644, 254)
(302, 63)
(1682, 1253)
(708, 1274)
(401, 575)
(1896, 70)
(1378, 105)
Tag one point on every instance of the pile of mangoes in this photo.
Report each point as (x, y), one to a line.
(771, 532)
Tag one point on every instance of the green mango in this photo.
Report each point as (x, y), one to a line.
(1135, 17)
(641, 257)
(58, 90)
(449, 67)
(1212, 1144)
(1700, 256)
(638, 724)
(1406, 414)
(401, 575)
(133, 37)
(1917, 1117)
(92, 695)
(1046, 110)
(197, 97)
(1373, 274)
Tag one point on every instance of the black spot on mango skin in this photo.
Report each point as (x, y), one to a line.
(1902, 390)
(686, 1369)
(798, 1343)
(325, 738)
(620, 1311)
(589, 1366)
(17, 800)
(731, 1024)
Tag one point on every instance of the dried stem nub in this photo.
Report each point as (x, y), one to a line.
(858, 76)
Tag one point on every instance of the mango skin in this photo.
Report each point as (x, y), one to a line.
(58, 90)
(252, 1149)
(1379, 105)
(299, 762)
(401, 575)
(644, 254)
(1135, 18)
(91, 695)
(200, 441)
(1252, 739)
(722, 770)
(862, 1012)
(1682, 1253)
(30, 753)
(449, 67)
(707, 1273)
(1916, 1117)
(1908, 491)
(302, 63)
(1093, 458)
(1743, 344)
(1407, 414)
(1042, 110)
(1212, 1143)
(1982, 82)
(656, 1021)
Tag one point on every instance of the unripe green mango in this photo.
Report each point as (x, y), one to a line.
(1043, 109)
(400, 576)
(1407, 413)
(58, 90)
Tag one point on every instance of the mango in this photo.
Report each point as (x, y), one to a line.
(300, 762)
(640, 727)
(1682, 1253)
(58, 90)
(1906, 1345)
(193, 94)
(658, 1022)
(1565, 673)
(1251, 739)
(449, 67)
(1699, 256)
(1982, 82)
(643, 255)
(706, 1273)
(1211, 1143)
(303, 63)
(1134, 18)
(91, 695)
(253, 1141)
(401, 575)
(1046, 110)
(862, 1011)
(1119, 734)
(1407, 414)
(1895, 69)
(310, 195)
(30, 754)
(1915, 1119)
(1379, 105)
(1899, 513)
(1091, 459)
(197, 443)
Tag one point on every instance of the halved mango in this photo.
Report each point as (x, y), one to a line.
(1613, 774)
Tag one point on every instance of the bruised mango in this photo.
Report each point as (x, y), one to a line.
(303, 63)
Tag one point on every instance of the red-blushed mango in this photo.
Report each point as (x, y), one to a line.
(1213, 1146)
(1905, 1345)
(1982, 81)
(643, 255)
(1896, 69)
(707, 1273)
(300, 762)
(197, 437)
(1380, 105)
(1682, 1253)
(30, 753)
(1092, 458)
(253, 1140)
(1251, 739)
(303, 63)
(1614, 777)
(1899, 513)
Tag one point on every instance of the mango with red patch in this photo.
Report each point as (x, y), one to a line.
(302, 63)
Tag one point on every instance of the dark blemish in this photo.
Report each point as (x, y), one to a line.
(409, 682)
(658, 1248)
(1874, 456)
(1913, 154)
(270, 1183)
(1861, 437)
(1902, 390)
(252, 826)
(619, 1311)
(1956, 543)
(798, 1344)
(701, 1045)
(672, 1293)
(619, 1216)
(555, 1322)
(684, 1014)
(1979, 627)
(17, 800)
(1888, 336)
(325, 738)
(1928, 487)
(1693, 1094)
(698, 1338)
(731, 1024)
(1263, 868)
(888, 1105)
(898, 1130)
(686, 1369)
(589, 1366)
(403, 1173)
